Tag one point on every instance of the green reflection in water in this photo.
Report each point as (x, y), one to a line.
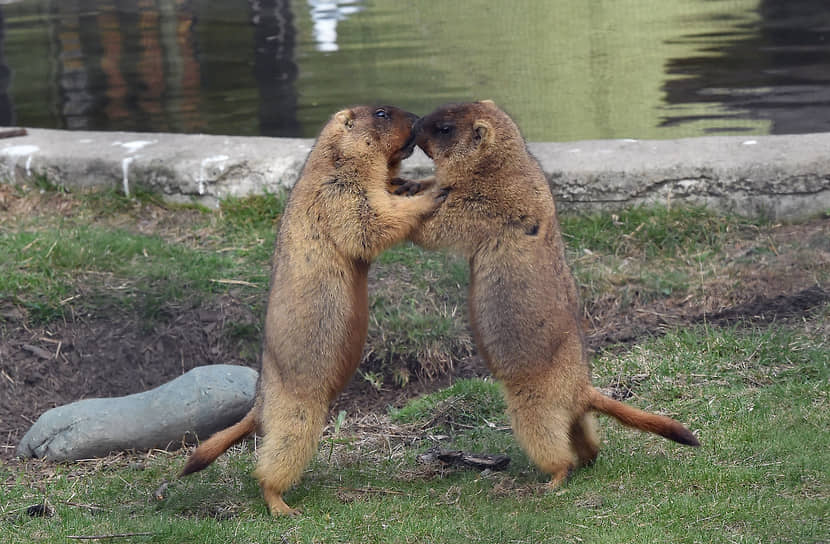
(566, 70)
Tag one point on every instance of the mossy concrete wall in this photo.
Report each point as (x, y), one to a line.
(783, 177)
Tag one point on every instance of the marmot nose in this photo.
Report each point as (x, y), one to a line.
(417, 122)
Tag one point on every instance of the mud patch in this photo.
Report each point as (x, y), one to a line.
(112, 353)
(768, 310)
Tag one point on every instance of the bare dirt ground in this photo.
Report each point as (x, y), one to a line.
(111, 352)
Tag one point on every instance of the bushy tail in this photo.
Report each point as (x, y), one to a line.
(216, 445)
(645, 421)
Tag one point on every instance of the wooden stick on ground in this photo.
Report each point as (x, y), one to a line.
(480, 461)
(99, 537)
(12, 132)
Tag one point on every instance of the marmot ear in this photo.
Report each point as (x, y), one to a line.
(345, 117)
(487, 102)
(483, 130)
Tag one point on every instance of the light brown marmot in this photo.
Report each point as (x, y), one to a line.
(339, 217)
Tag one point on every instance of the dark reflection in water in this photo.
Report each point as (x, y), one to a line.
(7, 116)
(274, 67)
(125, 65)
(776, 70)
(147, 65)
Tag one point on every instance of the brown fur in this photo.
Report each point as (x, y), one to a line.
(340, 216)
(524, 307)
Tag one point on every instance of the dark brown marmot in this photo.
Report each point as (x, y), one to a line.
(524, 305)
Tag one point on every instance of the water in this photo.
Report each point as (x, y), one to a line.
(566, 70)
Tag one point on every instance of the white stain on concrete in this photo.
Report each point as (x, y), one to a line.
(131, 147)
(749, 142)
(203, 166)
(19, 150)
(135, 145)
(125, 166)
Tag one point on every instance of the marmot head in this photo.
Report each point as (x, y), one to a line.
(368, 132)
(493, 184)
(473, 132)
(480, 155)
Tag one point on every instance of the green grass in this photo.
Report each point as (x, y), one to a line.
(647, 253)
(110, 202)
(250, 224)
(652, 231)
(418, 321)
(757, 398)
(252, 213)
(54, 260)
(466, 403)
(46, 269)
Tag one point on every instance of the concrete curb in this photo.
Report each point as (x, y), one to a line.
(783, 177)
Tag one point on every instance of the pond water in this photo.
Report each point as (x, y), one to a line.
(566, 70)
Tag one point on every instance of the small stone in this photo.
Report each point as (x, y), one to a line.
(42, 510)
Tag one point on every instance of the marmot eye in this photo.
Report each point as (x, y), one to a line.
(381, 114)
(445, 128)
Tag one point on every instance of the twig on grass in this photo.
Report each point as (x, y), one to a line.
(25, 248)
(367, 489)
(88, 506)
(51, 249)
(235, 282)
(34, 350)
(68, 299)
(479, 461)
(113, 535)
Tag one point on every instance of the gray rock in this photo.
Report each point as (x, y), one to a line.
(201, 402)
